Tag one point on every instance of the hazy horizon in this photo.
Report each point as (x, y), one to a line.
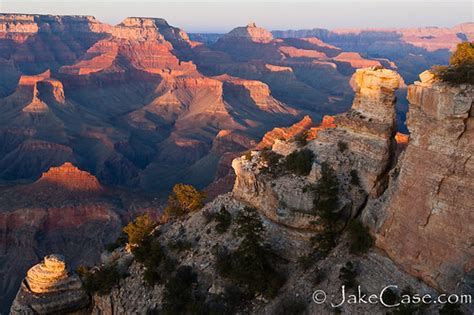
(222, 16)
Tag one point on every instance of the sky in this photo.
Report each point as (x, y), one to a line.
(223, 15)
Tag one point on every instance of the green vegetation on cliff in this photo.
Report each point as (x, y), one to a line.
(461, 65)
(250, 264)
(184, 199)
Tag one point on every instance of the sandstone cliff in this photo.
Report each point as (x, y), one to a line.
(423, 219)
(360, 141)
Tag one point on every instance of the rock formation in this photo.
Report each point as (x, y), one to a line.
(362, 139)
(422, 220)
(67, 177)
(50, 288)
(406, 205)
(285, 133)
(250, 33)
(66, 211)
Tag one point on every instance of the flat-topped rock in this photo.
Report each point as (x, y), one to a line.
(375, 97)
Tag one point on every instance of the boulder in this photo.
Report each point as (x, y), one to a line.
(50, 288)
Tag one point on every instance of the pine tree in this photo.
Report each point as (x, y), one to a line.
(184, 199)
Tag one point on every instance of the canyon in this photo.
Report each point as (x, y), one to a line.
(414, 217)
(98, 122)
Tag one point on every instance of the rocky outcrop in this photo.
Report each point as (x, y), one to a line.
(360, 141)
(50, 288)
(374, 269)
(285, 133)
(421, 221)
(255, 94)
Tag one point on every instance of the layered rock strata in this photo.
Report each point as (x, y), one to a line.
(69, 177)
(360, 141)
(423, 219)
(50, 288)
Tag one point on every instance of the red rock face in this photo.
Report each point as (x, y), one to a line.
(326, 123)
(69, 177)
(285, 133)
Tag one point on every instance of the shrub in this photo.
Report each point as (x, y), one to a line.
(318, 276)
(229, 302)
(360, 240)
(325, 241)
(138, 229)
(180, 296)
(348, 275)
(461, 66)
(272, 160)
(223, 219)
(291, 306)
(299, 162)
(157, 264)
(464, 54)
(327, 190)
(301, 139)
(250, 264)
(355, 180)
(342, 146)
(326, 202)
(235, 298)
(184, 199)
(250, 229)
(248, 155)
(455, 74)
(101, 281)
